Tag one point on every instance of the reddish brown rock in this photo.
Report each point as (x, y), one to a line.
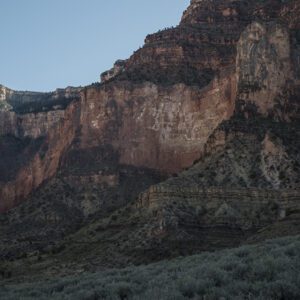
(43, 162)
(158, 109)
(153, 126)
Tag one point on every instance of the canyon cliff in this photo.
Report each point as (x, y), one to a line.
(190, 144)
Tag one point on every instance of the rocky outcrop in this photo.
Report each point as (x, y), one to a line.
(213, 198)
(263, 64)
(4, 105)
(240, 13)
(118, 68)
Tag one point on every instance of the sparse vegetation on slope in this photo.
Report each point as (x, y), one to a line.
(266, 271)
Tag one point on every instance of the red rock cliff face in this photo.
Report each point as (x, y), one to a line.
(218, 54)
(154, 126)
(31, 150)
(161, 106)
(160, 109)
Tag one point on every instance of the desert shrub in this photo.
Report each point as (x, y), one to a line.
(187, 286)
(266, 271)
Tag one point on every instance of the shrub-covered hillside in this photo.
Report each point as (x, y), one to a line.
(270, 270)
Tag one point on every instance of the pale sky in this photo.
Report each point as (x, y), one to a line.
(47, 44)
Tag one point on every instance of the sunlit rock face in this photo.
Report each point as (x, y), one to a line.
(153, 126)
